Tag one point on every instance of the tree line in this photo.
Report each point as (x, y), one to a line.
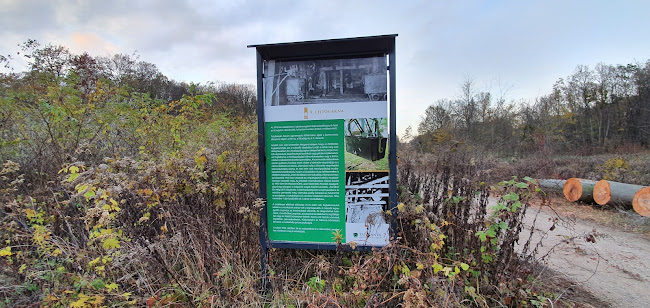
(64, 107)
(590, 111)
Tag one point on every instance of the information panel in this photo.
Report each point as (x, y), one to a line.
(326, 133)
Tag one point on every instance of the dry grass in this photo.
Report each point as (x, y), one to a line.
(628, 221)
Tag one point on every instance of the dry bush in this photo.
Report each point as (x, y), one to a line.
(451, 247)
(181, 229)
(629, 168)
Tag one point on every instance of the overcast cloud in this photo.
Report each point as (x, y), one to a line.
(519, 46)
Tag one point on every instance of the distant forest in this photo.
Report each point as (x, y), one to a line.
(604, 109)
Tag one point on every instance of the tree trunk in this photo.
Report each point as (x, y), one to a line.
(615, 193)
(579, 190)
(551, 185)
(641, 201)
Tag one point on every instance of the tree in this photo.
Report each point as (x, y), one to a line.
(436, 117)
(640, 116)
(467, 107)
(88, 71)
(581, 91)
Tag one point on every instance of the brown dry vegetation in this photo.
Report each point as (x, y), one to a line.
(623, 220)
(127, 189)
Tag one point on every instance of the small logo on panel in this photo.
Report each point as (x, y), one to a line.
(306, 113)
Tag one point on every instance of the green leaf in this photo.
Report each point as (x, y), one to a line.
(464, 266)
(110, 243)
(89, 194)
(111, 287)
(98, 284)
(481, 235)
(436, 268)
(73, 176)
(405, 270)
(510, 197)
(521, 185)
(500, 206)
(6, 252)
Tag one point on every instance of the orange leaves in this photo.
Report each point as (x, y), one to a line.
(145, 192)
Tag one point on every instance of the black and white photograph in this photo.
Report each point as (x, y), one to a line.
(325, 81)
(366, 197)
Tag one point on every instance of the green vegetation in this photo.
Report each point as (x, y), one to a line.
(354, 162)
(120, 187)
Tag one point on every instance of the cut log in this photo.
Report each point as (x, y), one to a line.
(615, 193)
(641, 201)
(579, 190)
(551, 185)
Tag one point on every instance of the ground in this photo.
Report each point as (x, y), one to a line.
(354, 162)
(605, 252)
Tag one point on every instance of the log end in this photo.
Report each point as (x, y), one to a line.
(602, 192)
(572, 189)
(641, 201)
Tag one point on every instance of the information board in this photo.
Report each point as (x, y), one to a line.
(325, 126)
(326, 163)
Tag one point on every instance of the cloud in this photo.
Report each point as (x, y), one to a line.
(525, 44)
(26, 16)
(91, 43)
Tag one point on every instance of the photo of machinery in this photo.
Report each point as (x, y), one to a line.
(366, 137)
(366, 196)
(325, 81)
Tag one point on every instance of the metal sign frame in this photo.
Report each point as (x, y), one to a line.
(383, 45)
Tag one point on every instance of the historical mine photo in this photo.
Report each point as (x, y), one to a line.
(365, 144)
(366, 196)
(325, 81)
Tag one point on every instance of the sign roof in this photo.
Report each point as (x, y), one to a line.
(381, 44)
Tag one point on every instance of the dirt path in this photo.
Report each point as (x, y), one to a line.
(616, 268)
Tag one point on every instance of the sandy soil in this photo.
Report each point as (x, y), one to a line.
(608, 262)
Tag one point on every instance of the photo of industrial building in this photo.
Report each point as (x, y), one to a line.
(325, 81)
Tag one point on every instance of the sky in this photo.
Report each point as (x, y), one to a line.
(515, 49)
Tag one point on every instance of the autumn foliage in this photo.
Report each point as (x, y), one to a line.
(119, 186)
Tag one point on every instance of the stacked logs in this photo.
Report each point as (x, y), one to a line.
(603, 192)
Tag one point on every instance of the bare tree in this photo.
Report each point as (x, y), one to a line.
(466, 106)
(436, 116)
